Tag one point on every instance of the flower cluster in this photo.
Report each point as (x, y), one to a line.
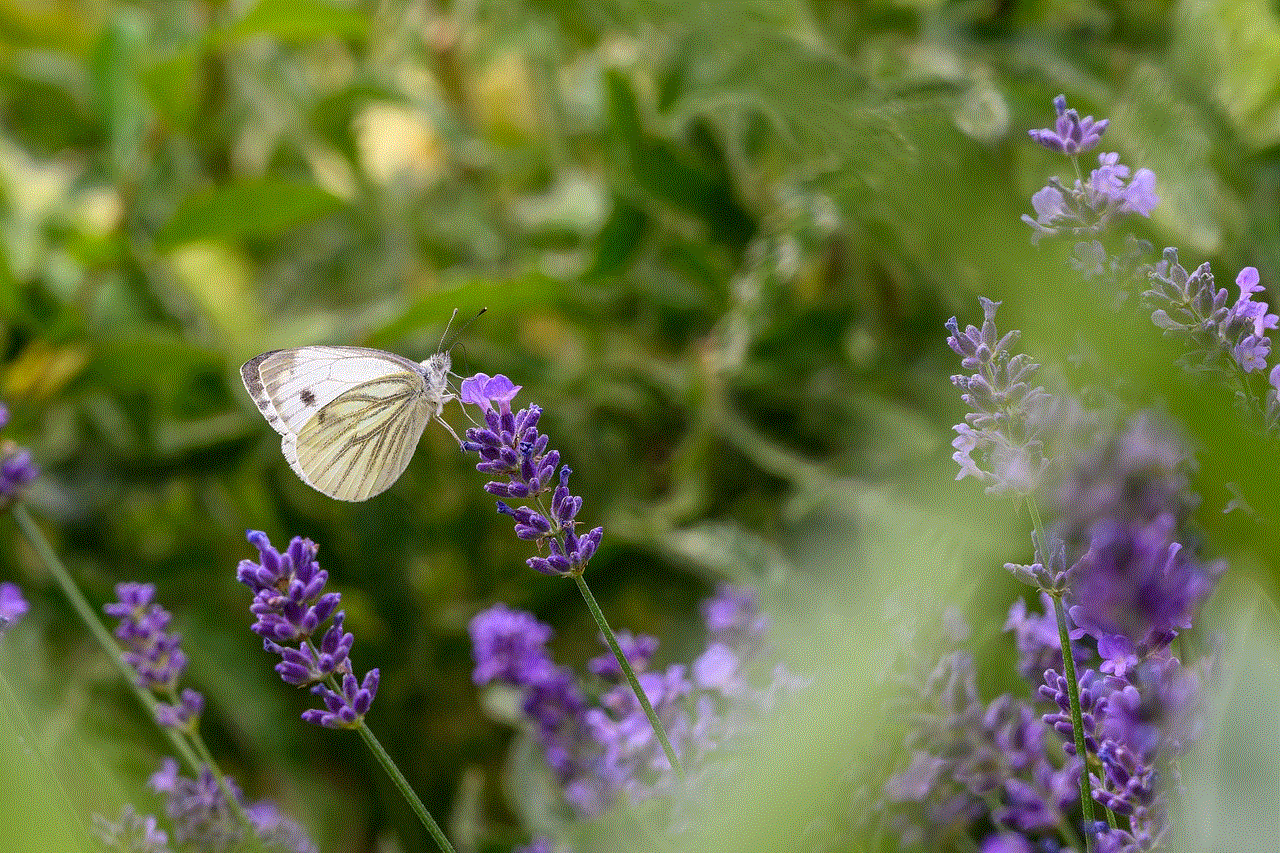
(1219, 335)
(154, 652)
(971, 760)
(1087, 207)
(12, 606)
(290, 606)
(17, 469)
(511, 447)
(132, 833)
(202, 818)
(1008, 416)
(1140, 715)
(594, 734)
(1117, 555)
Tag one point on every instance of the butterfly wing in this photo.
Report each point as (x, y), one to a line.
(349, 417)
(359, 443)
(290, 386)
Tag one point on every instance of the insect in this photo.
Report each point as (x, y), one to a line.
(349, 417)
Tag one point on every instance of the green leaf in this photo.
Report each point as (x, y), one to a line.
(300, 20)
(266, 206)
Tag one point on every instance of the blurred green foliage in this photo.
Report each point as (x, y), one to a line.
(717, 241)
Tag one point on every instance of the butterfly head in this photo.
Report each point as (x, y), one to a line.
(437, 365)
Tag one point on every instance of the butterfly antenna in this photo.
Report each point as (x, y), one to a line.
(461, 328)
(445, 333)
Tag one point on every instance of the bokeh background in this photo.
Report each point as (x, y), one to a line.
(717, 242)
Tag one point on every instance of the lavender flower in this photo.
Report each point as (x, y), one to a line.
(1217, 336)
(510, 446)
(17, 469)
(603, 749)
(733, 617)
(1138, 582)
(154, 652)
(970, 760)
(132, 833)
(1070, 134)
(509, 647)
(1133, 471)
(12, 606)
(1087, 207)
(1008, 416)
(290, 606)
(203, 819)
(637, 649)
(1137, 719)
(1036, 638)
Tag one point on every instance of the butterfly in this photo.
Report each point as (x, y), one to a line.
(349, 417)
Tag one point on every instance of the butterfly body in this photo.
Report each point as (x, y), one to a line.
(349, 417)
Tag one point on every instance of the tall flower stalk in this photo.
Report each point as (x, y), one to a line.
(290, 607)
(1005, 427)
(511, 448)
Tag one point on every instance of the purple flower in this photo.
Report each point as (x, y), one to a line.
(596, 737)
(290, 606)
(276, 831)
(1217, 336)
(12, 606)
(1087, 207)
(969, 760)
(183, 713)
(1006, 842)
(1132, 471)
(202, 819)
(17, 469)
(733, 617)
(1036, 636)
(1070, 134)
(508, 645)
(133, 832)
(637, 649)
(1008, 415)
(483, 390)
(346, 709)
(1137, 581)
(154, 652)
(510, 446)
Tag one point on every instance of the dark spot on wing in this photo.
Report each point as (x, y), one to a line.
(320, 416)
(308, 399)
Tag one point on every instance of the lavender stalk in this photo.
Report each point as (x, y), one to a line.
(510, 446)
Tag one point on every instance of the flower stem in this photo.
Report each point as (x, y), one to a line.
(16, 719)
(99, 631)
(598, 614)
(1069, 670)
(424, 816)
(191, 749)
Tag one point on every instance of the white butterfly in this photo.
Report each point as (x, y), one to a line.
(350, 418)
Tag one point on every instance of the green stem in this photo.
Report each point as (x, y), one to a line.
(598, 615)
(1069, 671)
(191, 748)
(403, 784)
(18, 719)
(251, 839)
(99, 631)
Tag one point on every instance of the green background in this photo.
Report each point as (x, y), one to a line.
(717, 242)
